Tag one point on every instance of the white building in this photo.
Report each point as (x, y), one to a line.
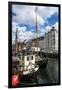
(51, 41)
(48, 42)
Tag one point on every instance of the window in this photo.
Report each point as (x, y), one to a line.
(31, 57)
(27, 58)
(22, 57)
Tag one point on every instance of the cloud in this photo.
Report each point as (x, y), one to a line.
(47, 12)
(26, 15)
(56, 26)
(22, 33)
(48, 28)
(25, 35)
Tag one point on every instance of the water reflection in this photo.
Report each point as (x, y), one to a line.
(48, 74)
(45, 75)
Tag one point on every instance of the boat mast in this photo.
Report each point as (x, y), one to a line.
(17, 48)
(37, 43)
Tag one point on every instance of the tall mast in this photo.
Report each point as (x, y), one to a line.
(17, 49)
(36, 43)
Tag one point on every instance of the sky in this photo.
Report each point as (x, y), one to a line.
(24, 18)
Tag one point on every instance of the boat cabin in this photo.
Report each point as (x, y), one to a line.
(27, 61)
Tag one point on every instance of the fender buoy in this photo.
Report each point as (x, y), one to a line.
(15, 80)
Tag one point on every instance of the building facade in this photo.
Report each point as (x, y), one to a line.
(39, 43)
(51, 41)
(48, 42)
(42, 43)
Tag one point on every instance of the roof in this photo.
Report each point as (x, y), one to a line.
(39, 38)
(53, 29)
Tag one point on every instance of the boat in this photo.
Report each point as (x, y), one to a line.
(25, 64)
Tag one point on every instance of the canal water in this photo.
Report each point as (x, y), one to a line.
(49, 74)
(45, 75)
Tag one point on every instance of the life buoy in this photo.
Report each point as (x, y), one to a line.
(15, 80)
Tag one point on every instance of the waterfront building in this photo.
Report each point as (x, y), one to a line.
(51, 41)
